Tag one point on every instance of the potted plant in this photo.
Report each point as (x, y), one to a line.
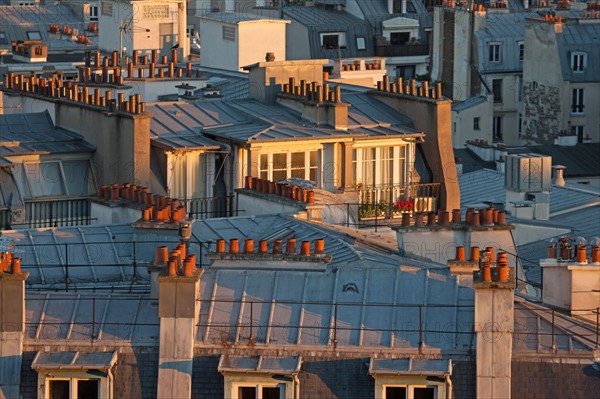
(402, 206)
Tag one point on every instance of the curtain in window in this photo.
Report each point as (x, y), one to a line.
(368, 166)
(197, 169)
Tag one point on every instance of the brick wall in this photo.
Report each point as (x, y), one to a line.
(544, 379)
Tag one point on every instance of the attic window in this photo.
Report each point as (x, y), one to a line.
(333, 40)
(494, 55)
(3, 39)
(34, 35)
(578, 61)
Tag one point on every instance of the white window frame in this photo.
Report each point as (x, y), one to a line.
(307, 166)
(234, 380)
(521, 46)
(397, 179)
(105, 382)
(94, 12)
(341, 38)
(578, 61)
(494, 56)
(410, 389)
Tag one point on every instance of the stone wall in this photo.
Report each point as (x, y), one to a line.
(542, 109)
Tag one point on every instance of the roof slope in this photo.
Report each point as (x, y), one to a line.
(584, 37)
(16, 21)
(35, 133)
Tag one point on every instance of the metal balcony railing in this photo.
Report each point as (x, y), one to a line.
(57, 212)
(380, 199)
(212, 207)
(401, 50)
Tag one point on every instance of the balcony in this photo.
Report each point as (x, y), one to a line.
(212, 207)
(58, 212)
(401, 50)
(390, 201)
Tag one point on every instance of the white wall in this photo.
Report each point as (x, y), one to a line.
(216, 52)
(463, 130)
(257, 38)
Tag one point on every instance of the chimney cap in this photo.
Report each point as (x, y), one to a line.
(559, 167)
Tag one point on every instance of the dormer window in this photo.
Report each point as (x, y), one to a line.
(494, 55)
(521, 51)
(578, 61)
(333, 40)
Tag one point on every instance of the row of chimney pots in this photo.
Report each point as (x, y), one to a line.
(276, 247)
(285, 190)
(178, 262)
(486, 258)
(473, 217)
(159, 208)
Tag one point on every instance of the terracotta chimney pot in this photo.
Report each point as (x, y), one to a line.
(595, 254)
(290, 246)
(474, 254)
(220, 246)
(189, 265)
(172, 266)
(581, 254)
(460, 253)
(162, 255)
(490, 251)
(263, 247)
(234, 246)
(277, 244)
(249, 246)
(406, 219)
(419, 219)
(15, 266)
(456, 216)
(552, 252)
(319, 246)
(305, 248)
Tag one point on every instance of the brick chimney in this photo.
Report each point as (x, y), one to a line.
(570, 277)
(494, 286)
(12, 323)
(178, 310)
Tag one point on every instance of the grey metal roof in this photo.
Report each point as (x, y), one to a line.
(468, 103)
(581, 222)
(581, 159)
(376, 11)
(487, 185)
(584, 37)
(246, 16)
(124, 319)
(410, 366)
(33, 133)
(252, 121)
(319, 20)
(373, 306)
(74, 360)
(95, 256)
(260, 364)
(16, 21)
(508, 30)
(179, 125)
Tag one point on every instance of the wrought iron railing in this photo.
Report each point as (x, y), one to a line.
(389, 194)
(401, 50)
(212, 207)
(58, 212)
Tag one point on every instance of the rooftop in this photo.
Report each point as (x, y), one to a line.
(35, 133)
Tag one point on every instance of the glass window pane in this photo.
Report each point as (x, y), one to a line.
(79, 177)
(197, 169)
(280, 166)
(368, 166)
(395, 392)
(45, 179)
(178, 181)
(263, 166)
(313, 159)
(424, 393)
(247, 392)
(270, 393)
(298, 162)
(88, 389)
(59, 389)
(298, 159)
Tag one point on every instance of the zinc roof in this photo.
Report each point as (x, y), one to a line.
(580, 37)
(35, 133)
(16, 21)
